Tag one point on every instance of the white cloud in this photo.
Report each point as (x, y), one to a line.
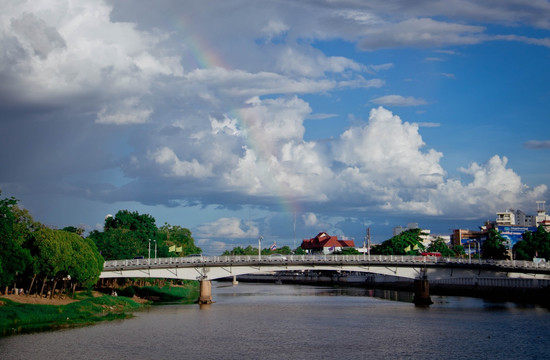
(422, 32)
(493, 187)
(309, 219)
(398, 100)
(229, 228)
(176, 167)
(126, 111)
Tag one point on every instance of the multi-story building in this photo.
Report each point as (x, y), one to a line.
(542, 218)
(470, 240)
(513, 217)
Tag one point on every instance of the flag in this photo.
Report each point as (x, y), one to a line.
(408, 248)
(273, 247)
(172, 248)
(180, 249)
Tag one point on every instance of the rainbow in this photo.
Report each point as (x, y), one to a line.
(205, 57)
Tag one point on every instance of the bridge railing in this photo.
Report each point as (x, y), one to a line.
(315, 259)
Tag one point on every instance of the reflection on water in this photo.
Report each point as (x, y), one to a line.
(252, 321)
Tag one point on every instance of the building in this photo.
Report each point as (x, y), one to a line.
(513, 217)
(513, 223)
(542, 218)
(426, 237)
(325, 244)
(470, 240)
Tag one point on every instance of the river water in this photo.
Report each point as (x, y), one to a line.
(267, 321)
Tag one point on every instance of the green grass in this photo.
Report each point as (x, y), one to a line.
(188, 293)
(18, 318)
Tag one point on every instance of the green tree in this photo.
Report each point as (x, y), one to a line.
(144, 224)
(249, 250)
(408, 242)
(77, 230)
(347, 251)
(493, 247)
(299, 251)
(533, 244)
(52, 256)
(86, 263)
(15, 227)
(459, 250)
(178, 237)
(126, 235)
(439, 245)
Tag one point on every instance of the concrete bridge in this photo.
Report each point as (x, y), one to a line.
(420, 268)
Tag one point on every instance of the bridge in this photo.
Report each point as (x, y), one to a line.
(420, 268)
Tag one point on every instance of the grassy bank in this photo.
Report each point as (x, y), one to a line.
(18, 317)
(186, 294)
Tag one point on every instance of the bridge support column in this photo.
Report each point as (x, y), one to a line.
(422, 292)
(235, 282)
(205, 295)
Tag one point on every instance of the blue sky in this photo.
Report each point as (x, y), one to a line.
(240, 118)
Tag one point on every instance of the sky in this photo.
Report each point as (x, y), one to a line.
(281, 119)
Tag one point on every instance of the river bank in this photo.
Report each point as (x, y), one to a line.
(30, 313)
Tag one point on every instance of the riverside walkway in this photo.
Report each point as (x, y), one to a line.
(420, 268)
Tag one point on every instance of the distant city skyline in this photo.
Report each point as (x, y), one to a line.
(239, 119)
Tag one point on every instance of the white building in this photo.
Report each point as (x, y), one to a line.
(513, 217)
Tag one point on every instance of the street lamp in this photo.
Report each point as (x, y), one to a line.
(155, 250)
(149, 252)
(260, 247)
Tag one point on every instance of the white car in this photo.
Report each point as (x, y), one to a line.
(277, 257)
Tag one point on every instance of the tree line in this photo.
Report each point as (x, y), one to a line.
(39, 260)
(409, 242)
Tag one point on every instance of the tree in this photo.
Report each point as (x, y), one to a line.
(408, 242)
(533, 244)
(86, 263)
(15, 226)
(178, 237)
(126, 235)
(52, 256)
(347, 251)
(459, 250)
(439, 245)
(249, 250)
(77, 230)
(493, 247)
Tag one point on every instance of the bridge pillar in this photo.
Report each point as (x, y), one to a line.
(422, 292)
(205, 294)
(235, 282)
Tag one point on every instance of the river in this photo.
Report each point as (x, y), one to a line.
(267, 321)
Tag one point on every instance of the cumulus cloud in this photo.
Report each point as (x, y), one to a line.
(212, 113)
(229, 228)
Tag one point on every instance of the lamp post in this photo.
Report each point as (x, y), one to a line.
(260, 247)
(155, 250)
(149, 253)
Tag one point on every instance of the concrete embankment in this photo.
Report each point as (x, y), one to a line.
(531, 291)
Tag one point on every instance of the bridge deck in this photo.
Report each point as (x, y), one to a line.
(214, 267)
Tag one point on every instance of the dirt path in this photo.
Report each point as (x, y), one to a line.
(32, 299)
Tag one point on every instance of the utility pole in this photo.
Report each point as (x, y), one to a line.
(260, 247)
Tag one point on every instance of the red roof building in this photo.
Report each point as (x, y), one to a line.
(325, 244)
